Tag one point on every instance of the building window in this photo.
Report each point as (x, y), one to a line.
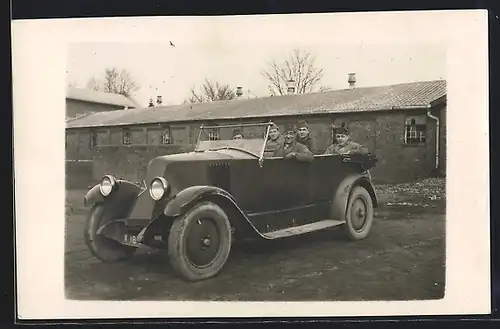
(166, 136)
(93, 139)
(127, 138)
(415, 130)
(214, 134)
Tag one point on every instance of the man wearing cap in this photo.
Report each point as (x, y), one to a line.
(274, 140)
(237, 134)
(304, 135)
(291, 149)
(344, 145)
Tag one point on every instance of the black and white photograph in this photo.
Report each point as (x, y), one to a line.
(317, 159)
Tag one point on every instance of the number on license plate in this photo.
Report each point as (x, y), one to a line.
(131, 239)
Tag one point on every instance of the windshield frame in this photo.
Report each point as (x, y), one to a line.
(260, 155)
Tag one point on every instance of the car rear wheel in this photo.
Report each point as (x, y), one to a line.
(359, 214)
(200, 241)
(100, 246)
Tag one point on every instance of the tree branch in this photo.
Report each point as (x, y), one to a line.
(211, 91)
(299, 66)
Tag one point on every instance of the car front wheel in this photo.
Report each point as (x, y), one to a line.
(200, 241)
(359, 214)
(102, 247)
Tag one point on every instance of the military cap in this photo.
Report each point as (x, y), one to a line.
(290, 127)
(341, 130)
(274, 126)
(302, 124)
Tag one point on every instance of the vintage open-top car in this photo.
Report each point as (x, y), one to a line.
(195, 205)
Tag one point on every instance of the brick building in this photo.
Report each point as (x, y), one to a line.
(398, 123)
(80, 102)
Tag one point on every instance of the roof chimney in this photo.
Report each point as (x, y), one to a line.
(158, 100)
(239, 91)
(352, 80)
(291, 86)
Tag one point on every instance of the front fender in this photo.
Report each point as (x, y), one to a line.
(183, 200)
(93, 196)
(341, 196)
(189, 197)
(124, 193)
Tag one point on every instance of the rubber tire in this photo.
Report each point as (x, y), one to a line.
(177, 242)
(104, 249)
(350, 232)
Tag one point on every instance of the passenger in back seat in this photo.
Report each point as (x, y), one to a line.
(343, 144)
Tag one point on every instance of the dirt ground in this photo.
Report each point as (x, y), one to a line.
(402, 259)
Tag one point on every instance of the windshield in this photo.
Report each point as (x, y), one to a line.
(248, 138)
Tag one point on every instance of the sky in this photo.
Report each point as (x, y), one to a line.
(233, 51)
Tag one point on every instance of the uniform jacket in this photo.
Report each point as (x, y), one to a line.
(271, 146)
(308, 142)
(301, 151)
(349, 148)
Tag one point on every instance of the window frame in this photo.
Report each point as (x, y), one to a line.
(164, 130)
(414, 133)
(125, 132)
(212, 131)
(92, 138)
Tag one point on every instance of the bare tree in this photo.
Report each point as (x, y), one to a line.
(115, 81)
(93, 84)
(211, 91)
(299, 67)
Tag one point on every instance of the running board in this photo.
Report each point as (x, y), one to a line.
(291, 231)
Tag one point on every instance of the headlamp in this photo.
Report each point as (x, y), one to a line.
(107, 185)
(159, 186)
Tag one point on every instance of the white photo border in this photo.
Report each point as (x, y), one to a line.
(39, 49)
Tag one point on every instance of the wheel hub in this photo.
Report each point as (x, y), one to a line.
(206, 242)
(203, 243)
(358, 213)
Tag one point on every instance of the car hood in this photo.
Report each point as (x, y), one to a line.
(158, 166)
(181, 171)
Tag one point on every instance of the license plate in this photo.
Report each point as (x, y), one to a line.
(132, 239)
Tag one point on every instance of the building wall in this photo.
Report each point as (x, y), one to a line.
(78, 145)
(130, 162)
(442, 138)
(76, 107)
(381, 132)
(79, 174)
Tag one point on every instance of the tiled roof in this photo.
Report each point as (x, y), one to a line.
(400, 96)
(99, 97)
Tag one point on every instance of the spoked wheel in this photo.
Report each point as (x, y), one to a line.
(359, 215)
(101, 247)
(199, 242)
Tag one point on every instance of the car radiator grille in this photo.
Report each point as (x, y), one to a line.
(220, 175)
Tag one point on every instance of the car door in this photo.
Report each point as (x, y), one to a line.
(279, 190)
(285, 184)
(277, 184)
